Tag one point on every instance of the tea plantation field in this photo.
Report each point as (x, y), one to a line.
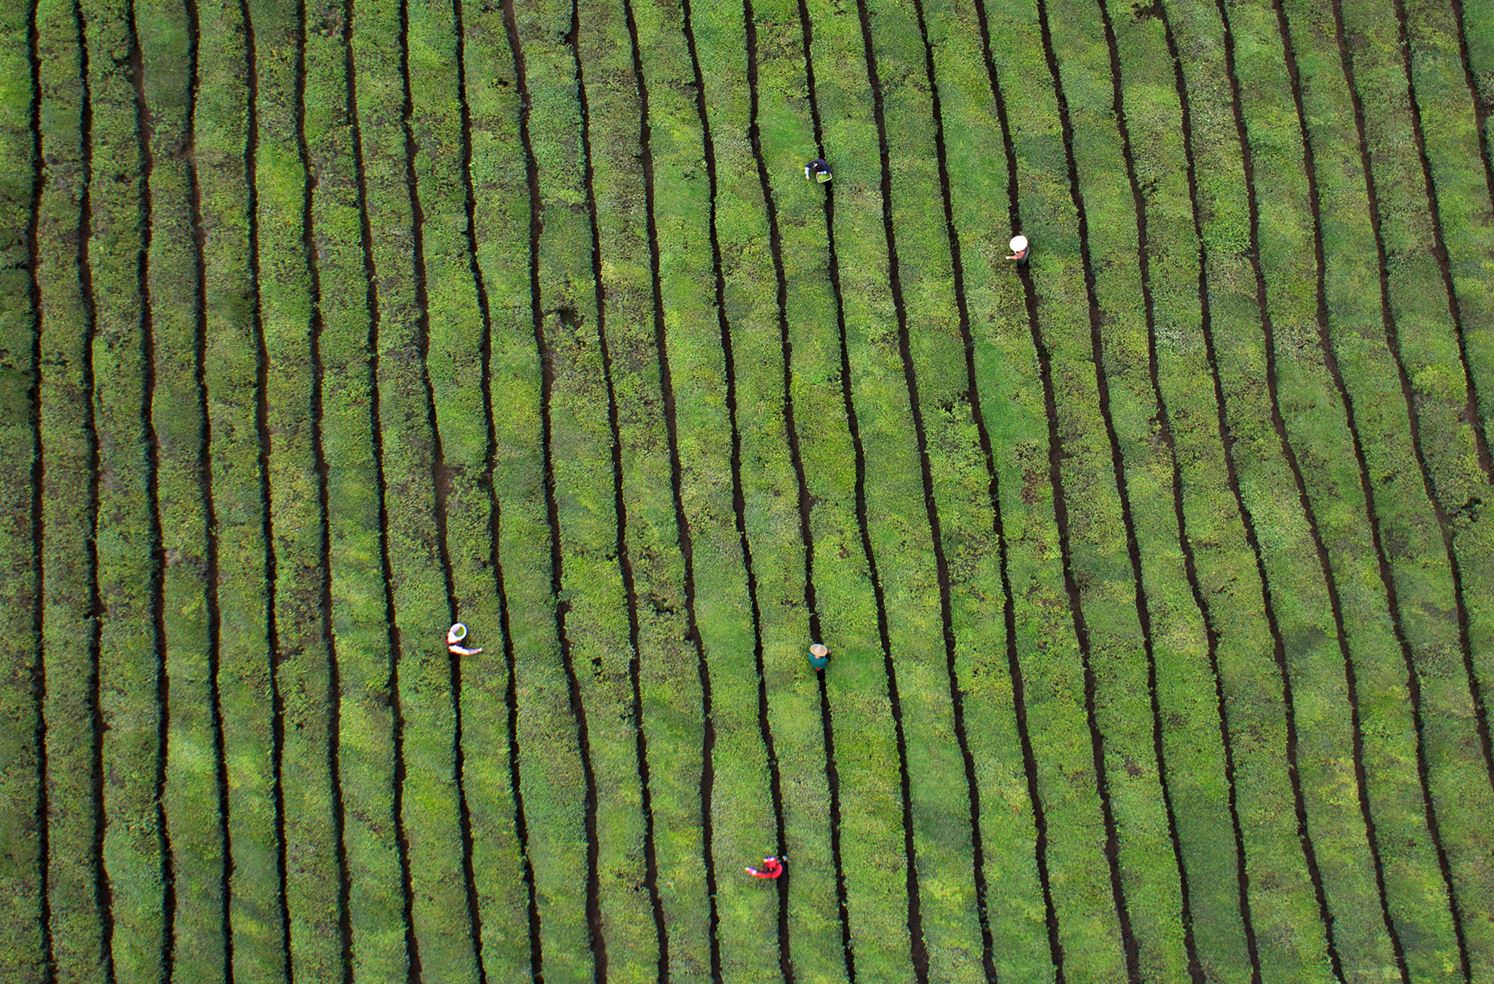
(1157, 571)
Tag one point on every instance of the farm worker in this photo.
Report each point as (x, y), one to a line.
(454, 637)
(819, 656)
(772, 868)
(818, 170)
(1020, 250)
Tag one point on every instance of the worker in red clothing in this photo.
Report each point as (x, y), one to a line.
(772, 868)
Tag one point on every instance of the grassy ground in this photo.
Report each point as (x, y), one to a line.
(1156, 572)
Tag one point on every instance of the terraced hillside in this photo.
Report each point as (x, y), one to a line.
(1158, 573)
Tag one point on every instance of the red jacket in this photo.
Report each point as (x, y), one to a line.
(772, 868)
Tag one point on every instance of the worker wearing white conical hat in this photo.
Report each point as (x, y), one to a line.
(819, 656)
(455, 636)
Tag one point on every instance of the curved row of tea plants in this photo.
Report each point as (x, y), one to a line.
(1156, 572)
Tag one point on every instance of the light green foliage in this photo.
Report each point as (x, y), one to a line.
(423, 317)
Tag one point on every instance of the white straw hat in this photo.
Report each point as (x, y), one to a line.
(1018, 243)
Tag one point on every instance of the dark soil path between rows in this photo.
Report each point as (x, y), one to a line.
(1061, 511)
(37, 670)
(1143, 255)
(1387, 582)
(440, 487)
(267, 522)
(1014, 666)
(1480, 107)
(374, 309)
(1278, 642)
(738, 500)
(1190, 563)
(917, 946)
(597, 940)
(316, 328)
(624, 560)
(1413, 417)
(495, 520)
(103, 892)
(204, 470)
(145, 166)
(1455, 309)
(791, 432)
(1454, 306)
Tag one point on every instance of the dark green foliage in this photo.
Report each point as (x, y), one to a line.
(23, 944)
(238, 484)
(73, 862)
(1158, 591)
(192, 794)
